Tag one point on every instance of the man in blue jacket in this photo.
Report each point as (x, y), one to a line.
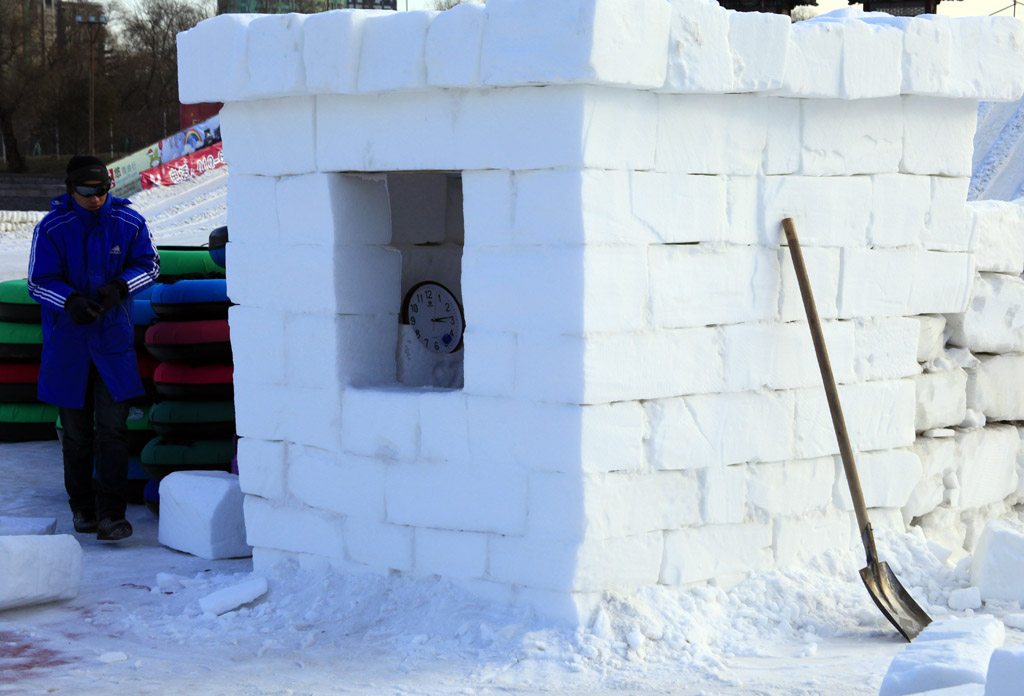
(90, 254)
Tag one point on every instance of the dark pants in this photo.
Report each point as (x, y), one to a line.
(107, 447)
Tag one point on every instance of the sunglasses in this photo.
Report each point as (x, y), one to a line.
(96, 190)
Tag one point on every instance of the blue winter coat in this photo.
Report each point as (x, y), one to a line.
(76, 250)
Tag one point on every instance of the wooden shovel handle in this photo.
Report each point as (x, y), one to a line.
(838, 423)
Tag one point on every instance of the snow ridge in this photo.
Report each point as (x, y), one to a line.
(998, 152)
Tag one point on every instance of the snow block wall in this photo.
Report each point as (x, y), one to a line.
(640, 402)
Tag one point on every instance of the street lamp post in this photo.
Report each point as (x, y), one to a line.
(94, 26)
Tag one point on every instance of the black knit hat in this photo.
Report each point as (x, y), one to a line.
(82, 168)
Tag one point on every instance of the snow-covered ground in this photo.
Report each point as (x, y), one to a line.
(137, 628)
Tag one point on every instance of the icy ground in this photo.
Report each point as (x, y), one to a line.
(136, 626)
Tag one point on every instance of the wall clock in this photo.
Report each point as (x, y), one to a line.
(435, 316)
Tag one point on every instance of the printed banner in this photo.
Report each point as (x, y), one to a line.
(189, 140)
(184, 168)
(124, 173)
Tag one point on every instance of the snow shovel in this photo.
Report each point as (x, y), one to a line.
(888, 594)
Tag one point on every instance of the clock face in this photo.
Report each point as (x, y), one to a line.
(435, 316)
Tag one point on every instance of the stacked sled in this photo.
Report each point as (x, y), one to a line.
(22, 416)
(193, 414)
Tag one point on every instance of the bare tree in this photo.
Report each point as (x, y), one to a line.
(144, 64)
(21, 74)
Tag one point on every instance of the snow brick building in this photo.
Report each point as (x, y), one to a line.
(599, 184)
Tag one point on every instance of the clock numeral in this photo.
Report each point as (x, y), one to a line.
(412, 320)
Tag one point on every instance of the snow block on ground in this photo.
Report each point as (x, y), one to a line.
(201, 514)
(18, 526)
(615, 42)
(452, 50)
(997, 566)
(275, 56)
(948, 652)
(38, 568)
(332, 43)
(994, 323)
(219, 41)
(999, 235)
(1005, 669)
(391, 56)
(230, 598)
(993, 388)
(758, 43)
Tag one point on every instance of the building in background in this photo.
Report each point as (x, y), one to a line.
(49, 26)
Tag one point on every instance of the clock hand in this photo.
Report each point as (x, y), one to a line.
(436, 319)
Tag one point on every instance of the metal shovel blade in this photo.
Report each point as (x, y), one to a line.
(888, 594)
(893, 601)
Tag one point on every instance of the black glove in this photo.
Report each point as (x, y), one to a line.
(82, 310)
(111, 294)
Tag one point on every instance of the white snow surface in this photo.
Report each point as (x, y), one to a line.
(998, 163)
(804, 632)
